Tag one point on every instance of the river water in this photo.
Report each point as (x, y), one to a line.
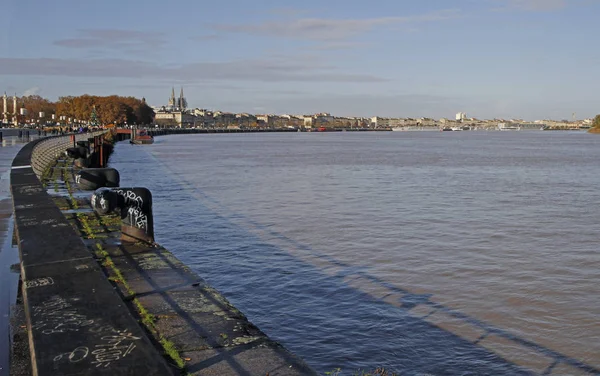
(439, 253)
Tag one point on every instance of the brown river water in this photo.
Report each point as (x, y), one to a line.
(428, 253)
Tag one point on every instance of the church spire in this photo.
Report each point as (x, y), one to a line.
(172, 103)
(182, 104)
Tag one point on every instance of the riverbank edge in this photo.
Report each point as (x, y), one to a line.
(252, 352)
(74, 319)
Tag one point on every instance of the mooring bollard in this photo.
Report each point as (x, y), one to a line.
(0, 136)
(80, 154)
(76, 152)
(135, 206)
(20, 134)
(84, 144)
(90, 179)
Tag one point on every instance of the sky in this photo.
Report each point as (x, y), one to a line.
(526, 59)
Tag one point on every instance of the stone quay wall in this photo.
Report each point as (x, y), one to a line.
(77, 324)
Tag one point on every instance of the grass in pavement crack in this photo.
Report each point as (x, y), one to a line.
(85, 226)
(147, 319)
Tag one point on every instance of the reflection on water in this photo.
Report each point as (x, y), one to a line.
(440, 253)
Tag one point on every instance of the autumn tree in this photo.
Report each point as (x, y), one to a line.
(34, 104)
(110, 109)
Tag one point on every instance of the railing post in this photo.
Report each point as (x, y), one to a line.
(101, 151)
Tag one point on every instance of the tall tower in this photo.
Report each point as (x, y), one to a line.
(15, 111)
(172, 103)
(182, 103)
(5, 112)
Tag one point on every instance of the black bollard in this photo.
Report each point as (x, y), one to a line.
(80, 154)
(0, 136)
(84, 144)
(20, 134)
(77, 152)
(135, 206)
(90, 179)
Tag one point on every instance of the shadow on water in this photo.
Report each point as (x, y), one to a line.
(320, 313)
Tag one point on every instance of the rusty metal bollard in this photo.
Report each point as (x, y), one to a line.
(135, 207)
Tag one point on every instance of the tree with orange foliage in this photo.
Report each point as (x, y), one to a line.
(34, 105)
(110, 109)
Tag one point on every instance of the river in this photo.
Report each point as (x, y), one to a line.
(440, 253)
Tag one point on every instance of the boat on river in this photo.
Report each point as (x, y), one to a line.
(141, 137)
(508, 127)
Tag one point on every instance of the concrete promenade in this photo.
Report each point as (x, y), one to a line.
(96, 305)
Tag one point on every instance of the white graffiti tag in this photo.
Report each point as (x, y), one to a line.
(103, 202)
(131, 199)
(39, 282)
(56, 315)
(137, 218)
(115, 347)
(74, 356)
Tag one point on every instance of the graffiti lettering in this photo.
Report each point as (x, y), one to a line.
(114, 348)
(136, 218)
(39, 282)
(74, 356)
(131, 199)
(56, 316)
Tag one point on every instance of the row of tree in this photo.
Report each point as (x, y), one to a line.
(113, 109)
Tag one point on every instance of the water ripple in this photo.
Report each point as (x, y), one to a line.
(470, 255)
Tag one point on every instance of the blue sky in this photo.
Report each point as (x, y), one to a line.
(530, 59)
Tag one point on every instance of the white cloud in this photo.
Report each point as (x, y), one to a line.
(117, 39)
(332, 29)
(31, 91)
(271, 69)
(534, 5)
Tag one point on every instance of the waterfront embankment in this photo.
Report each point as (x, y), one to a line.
(97, 305)
(10, 144)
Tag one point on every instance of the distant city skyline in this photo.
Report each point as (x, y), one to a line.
(528, 59)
